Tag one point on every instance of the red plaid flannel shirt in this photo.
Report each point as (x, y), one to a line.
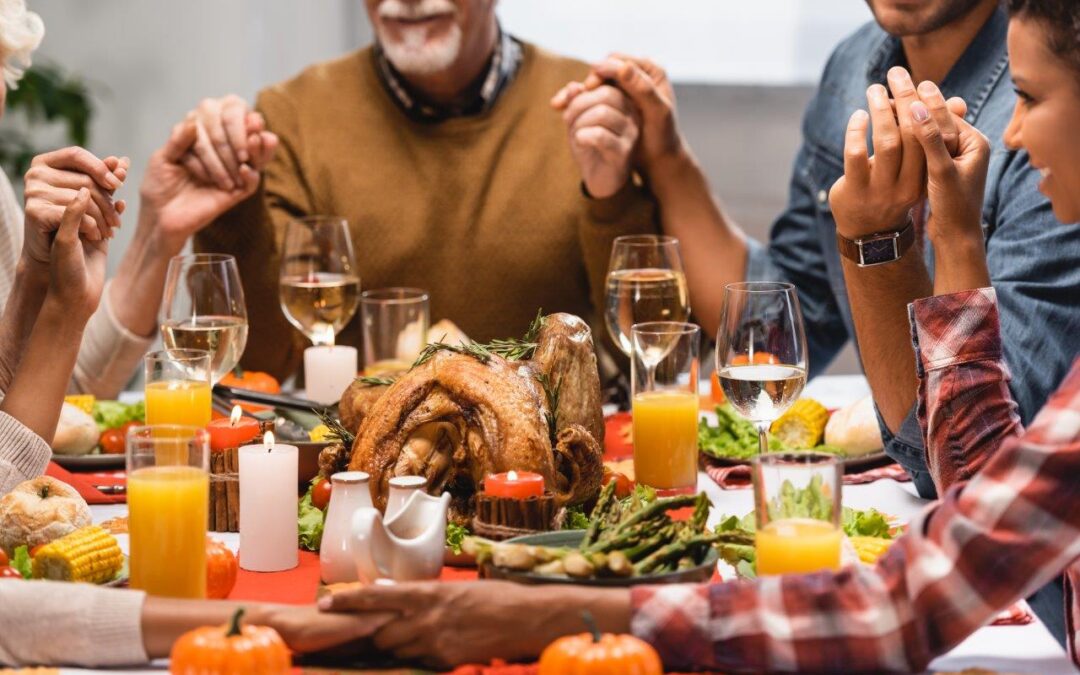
(988, 543)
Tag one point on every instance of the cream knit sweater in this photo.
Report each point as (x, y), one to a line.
(52, 623)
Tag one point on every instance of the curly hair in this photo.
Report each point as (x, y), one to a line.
(20, 34)
(1060, 19)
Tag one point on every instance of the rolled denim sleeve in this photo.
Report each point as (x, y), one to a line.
(907, 448)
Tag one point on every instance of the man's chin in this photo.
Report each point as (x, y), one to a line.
(428, 58)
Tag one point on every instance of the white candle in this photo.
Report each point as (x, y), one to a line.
(328, 371)
(268, 528)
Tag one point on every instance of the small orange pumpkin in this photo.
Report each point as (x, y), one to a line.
(230, 650)
(595, 654)
(221, 570)
(252, 380)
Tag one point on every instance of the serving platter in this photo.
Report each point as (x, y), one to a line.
(572, 539)
(850, 464)
(94, 461)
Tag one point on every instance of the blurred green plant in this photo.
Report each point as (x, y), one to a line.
(46, 95)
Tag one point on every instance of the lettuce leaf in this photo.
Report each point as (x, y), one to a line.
(114, 414)
(21, 562)
(310, 520)
(865, 523)
(455, 535)
(732, 437)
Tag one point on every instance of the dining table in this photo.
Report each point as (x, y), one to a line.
(1025, 648)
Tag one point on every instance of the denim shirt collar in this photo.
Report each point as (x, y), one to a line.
(972, 77)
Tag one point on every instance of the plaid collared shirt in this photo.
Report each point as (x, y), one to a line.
(988, 543)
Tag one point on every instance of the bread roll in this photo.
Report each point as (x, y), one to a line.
(38, 511)
(854, 429)
(76, 433)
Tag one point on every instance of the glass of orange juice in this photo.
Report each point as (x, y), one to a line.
(797, 499)
(178, 387)
(664, 376)
(168, 495)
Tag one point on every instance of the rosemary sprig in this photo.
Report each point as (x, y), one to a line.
(551, 391)
(473, 349)
(369, 381)
(337, 431)
(519, 349)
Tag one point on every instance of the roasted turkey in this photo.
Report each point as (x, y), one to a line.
(456, 418)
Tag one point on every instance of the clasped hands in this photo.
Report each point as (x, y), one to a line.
(923, 148)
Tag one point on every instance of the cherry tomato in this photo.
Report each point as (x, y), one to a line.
(320, 496)
(9, 573)
(4, 562)
(623, 486)
(128, 425)
(112, 442)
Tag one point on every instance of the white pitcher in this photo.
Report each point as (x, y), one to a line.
(350, 491)
(407, 547)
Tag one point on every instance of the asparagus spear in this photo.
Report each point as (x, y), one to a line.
(672, 552)
(603, 503)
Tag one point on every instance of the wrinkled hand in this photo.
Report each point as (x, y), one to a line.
(223, 127)
(77, 265)
(648, 87)
(53, 181)
(179, 192)
(955, 180)
(446, 624)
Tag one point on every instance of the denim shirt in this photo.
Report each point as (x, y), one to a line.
(1034, 261)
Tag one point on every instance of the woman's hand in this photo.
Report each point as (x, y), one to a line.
(306, 629)
(77, 264)
(52, 182)
(955, 187)
(446, 624)
(180, 196)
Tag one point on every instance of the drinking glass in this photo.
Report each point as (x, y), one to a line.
(664, 376)
(320, 285)
(168, 491)
(797, 508)
(203, 308)
(761, 352)
(395, 324)
(645, 282)
(178, 387)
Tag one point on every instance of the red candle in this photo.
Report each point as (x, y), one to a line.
(232, 432)
(514, 485)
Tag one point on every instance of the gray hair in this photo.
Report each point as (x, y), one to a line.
(20, 34)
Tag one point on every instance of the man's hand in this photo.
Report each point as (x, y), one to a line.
(77, 265)
(52, 183)
(223, 127)
(648, 87)
(603, 131)
(445, 624)
(305, 629)
(181, 195)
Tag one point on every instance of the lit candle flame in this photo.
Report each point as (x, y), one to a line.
(234, 418)
(268, 440)
(511, 475)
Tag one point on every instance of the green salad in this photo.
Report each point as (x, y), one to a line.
(735, 438)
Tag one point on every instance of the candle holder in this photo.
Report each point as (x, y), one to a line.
(500, 518)
(224, 491)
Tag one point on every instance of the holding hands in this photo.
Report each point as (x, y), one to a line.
(77, 268)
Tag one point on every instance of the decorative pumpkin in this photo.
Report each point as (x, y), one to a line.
(252, 380)
(221, 569)
(595, 654)
(230, 650)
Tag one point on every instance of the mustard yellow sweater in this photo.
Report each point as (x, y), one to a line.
(486, 212)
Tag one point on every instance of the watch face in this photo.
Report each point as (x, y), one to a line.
(877, 251)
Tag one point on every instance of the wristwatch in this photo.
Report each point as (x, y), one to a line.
(877, 249)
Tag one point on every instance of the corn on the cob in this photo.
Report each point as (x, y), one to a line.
(84, 402)
(802, 426)
(88, 554)
(871, 548)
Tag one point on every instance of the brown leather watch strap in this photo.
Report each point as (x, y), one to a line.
(879, 248)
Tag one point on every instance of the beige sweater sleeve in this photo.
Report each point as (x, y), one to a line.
(56, 623)
(109, 354)
(23, 455)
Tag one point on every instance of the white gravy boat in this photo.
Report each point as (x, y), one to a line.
(408, 546)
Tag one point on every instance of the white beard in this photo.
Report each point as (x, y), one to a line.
(414, 53)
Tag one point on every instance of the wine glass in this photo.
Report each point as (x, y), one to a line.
(203, 308)
(761, 352)
(320, 285)
(645, 282)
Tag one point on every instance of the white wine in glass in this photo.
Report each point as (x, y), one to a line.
(203, 308)
(645, 282)
(761, 352)
(319, 285)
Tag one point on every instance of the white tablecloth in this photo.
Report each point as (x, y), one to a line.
(1005, 649)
